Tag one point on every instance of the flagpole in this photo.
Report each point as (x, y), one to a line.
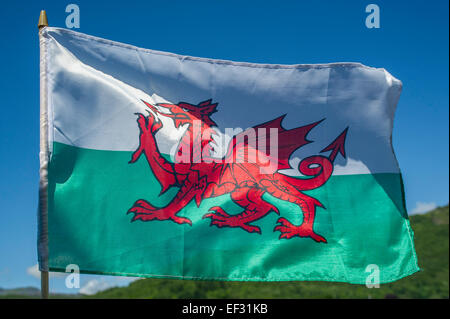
(43, 158)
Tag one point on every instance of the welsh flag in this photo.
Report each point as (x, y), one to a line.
(159, 165)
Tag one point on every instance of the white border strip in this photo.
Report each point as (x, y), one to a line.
(43, 158)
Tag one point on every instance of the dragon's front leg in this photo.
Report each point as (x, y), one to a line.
(161, 168)
(250, 198)
(192, 188)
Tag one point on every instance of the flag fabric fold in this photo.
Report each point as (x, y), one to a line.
(170, 166)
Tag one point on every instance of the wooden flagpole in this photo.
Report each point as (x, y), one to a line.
(43, 226)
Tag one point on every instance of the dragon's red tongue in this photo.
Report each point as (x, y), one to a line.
(151, 107)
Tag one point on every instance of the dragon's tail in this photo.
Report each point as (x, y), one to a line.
(318, 167)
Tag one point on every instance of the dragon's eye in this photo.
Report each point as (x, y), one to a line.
(186, 110)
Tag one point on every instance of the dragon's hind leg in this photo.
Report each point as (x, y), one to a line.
(289, 230)
(250, 198)
(307, 205)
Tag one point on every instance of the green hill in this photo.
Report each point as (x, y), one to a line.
(30, 293)
(431, 238)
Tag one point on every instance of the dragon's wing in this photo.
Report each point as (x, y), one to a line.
(254, 144)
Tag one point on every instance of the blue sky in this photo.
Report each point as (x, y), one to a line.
(412, 44)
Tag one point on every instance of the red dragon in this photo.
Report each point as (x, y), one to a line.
(243, 180)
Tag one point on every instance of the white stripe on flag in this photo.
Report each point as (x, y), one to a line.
(97, 85)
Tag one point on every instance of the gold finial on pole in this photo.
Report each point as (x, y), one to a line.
(43, 22)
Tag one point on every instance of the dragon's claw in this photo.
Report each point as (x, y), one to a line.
(289, 230)
(251, 228)
(222, 219)
(181, 220)
(144, 211)
(218, 211)
(148, 124)
(218, 223)
(275, 209)
(145, 204)
(142, 122)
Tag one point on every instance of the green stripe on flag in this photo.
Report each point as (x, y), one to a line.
(90, 192)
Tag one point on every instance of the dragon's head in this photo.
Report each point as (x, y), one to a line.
(185, 113)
